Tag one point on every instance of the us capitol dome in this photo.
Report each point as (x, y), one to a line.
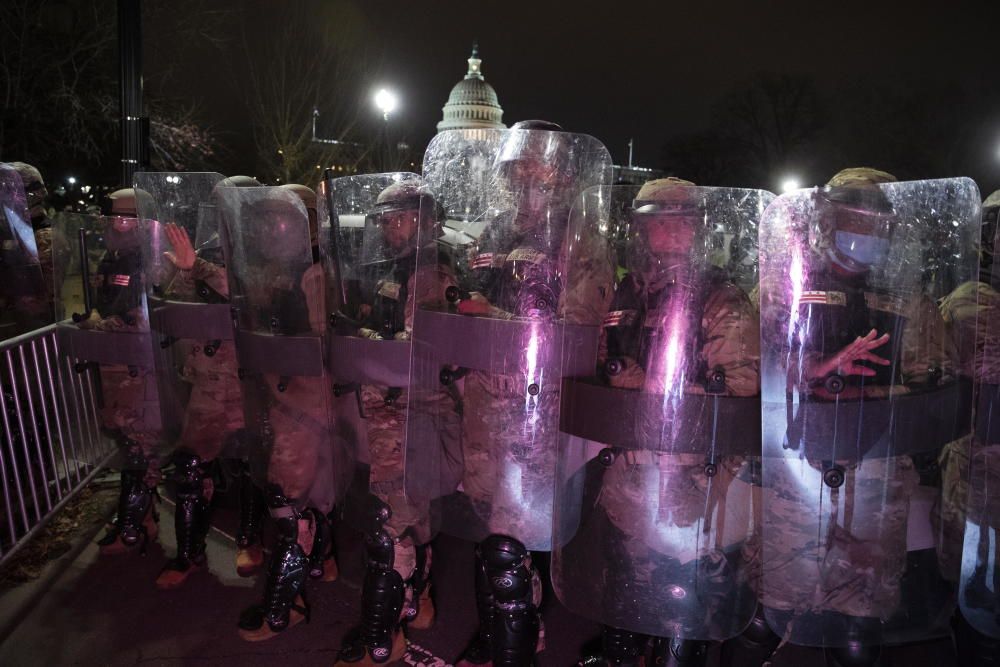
(472, 103)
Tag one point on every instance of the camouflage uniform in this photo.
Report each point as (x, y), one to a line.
(215, 407)
(855, 564)
(730, 331)
(488, 400)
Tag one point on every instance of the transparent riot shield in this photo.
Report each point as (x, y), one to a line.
(976, 309)
(106, 333)
(377, 260)
(23, 296)
(189, 311)
(860, 397)
(496, 338)
(657, 507)
(278, 293)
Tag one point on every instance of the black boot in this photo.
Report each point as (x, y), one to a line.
(136, 522)
(249, 551)
(516, 620)
(284, 596)
(679, 653)
(381, 640)
(478, 651)
(191, 520)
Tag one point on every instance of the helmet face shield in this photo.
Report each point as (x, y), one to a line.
(860, 220)
(397, 222)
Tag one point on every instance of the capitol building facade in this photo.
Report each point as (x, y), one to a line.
(472, 104)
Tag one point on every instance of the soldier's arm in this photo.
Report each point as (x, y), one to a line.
(590, 278)
(732, 340)
(926, 347)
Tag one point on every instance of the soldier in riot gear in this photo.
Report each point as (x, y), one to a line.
(130, 408)
(277, 290)
(848, 327)
(659, 554)
(188, 293)
(396, 586)
(40, 309)
(969, 508)
(510, 402)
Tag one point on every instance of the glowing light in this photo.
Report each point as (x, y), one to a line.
(386, 102)
(71, 180)
(789, 184)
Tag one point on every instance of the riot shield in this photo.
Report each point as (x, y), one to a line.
(656, 505)
(107, 332)
(25, 303)
(377, 219)
(189, 311)
(859, 398)
(976, 308)
(278, 294)
(498, 337)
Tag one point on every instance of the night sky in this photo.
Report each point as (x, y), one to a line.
(655, 71)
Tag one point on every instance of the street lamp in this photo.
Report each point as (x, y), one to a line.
(789, 184)
(386, 102)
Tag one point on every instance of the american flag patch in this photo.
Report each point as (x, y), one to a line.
(617, 318)
(121, 279)
(832, 298)
(484, 260)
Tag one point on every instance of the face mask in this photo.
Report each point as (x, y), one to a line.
(861, 248)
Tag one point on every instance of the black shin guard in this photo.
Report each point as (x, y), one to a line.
(382, 594)
(680, 653)
(251, 510)
(322, 543)
(478, 652)
(419, 580)
(515, 621)
(286, 574)
(191, 519)
(622, 647)
(135, 499)
(754, 646)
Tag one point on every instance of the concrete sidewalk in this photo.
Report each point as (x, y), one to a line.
(86, 610)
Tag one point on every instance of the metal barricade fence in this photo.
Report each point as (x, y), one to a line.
(51, 445)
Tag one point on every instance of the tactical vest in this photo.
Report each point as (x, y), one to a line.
(119, 289)
(834, 313)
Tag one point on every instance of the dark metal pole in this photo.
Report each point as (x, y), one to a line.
(134, 126)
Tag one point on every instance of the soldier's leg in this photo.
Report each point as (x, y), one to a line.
(284, 602)
(419, 611)
(389, 563)
(194, 487)
(478, 652)
(322, 564)
(136, 521)
(249, 551)
(516, 618)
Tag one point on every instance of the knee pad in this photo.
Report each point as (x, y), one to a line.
(508, 569)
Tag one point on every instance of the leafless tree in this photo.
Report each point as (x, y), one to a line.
(308, 57)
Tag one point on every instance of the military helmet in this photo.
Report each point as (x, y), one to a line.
(305, 193)
(854, 218)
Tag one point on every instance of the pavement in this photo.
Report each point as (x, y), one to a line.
(88, 610)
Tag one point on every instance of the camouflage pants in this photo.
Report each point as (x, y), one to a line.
(836, 549)
(509, 449)
(299, 459)
(130, 407)
(215, 406)
(409, 523)
(949, 514)
(676, 527)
